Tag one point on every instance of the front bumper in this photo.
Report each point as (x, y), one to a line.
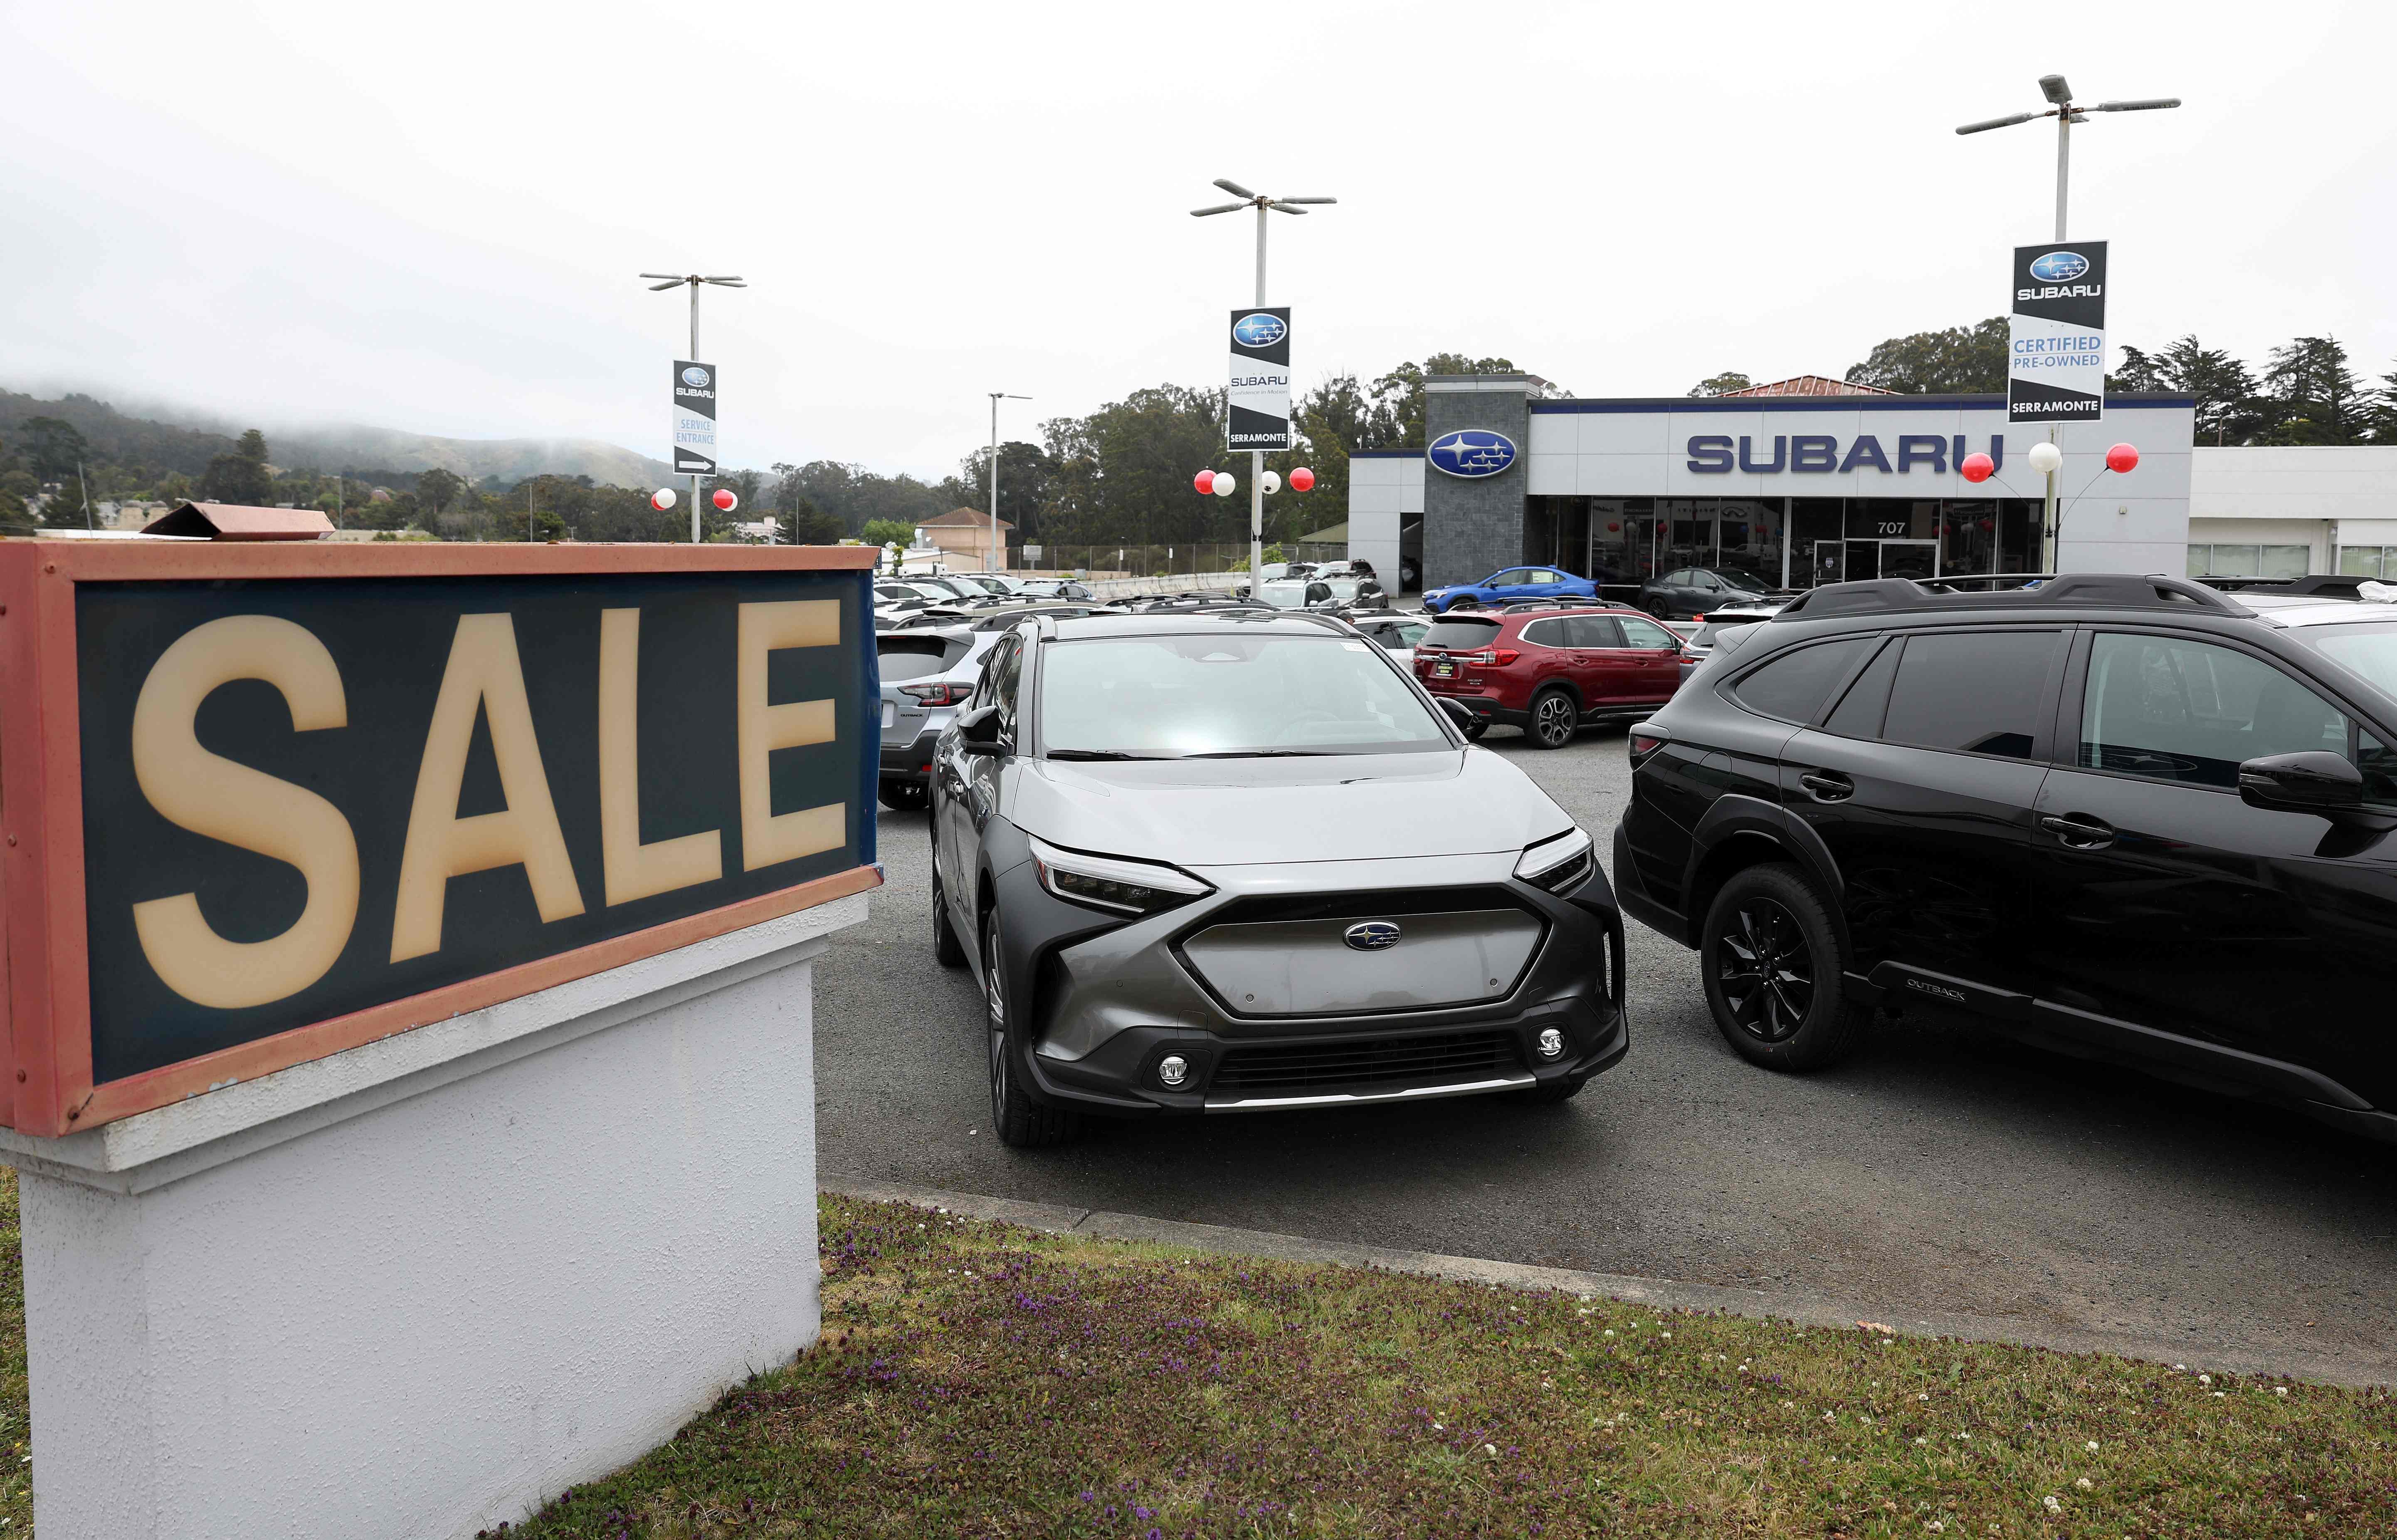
(1108, 1001)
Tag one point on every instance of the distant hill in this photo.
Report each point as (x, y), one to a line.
(121, 438)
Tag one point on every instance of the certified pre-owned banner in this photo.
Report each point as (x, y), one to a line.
(2055, 344)
(694, 418)
(1260, 415)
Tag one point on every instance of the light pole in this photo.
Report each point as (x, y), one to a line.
(2066, 114)
(694, 280)
(1260, 202)
(999, 549)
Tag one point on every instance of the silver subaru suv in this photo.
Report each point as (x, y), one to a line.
(1226, 861)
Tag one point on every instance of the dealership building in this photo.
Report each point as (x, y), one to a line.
(1813, 480)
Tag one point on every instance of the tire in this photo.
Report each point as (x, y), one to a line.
(1548, 1094)
(903, 796)
(1554, 719)
(1771, 961)
(947, 951)
(1021, 1122)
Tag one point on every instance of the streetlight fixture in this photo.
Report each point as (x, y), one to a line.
(694, 280)
(997, 548)
(1259, 202)
(2066, 114)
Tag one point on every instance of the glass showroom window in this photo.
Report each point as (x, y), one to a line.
(2249, 561)
(2368, 560)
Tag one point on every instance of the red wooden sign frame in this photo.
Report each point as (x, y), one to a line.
(45, 1061)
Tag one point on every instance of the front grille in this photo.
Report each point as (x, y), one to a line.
(1298, 1068)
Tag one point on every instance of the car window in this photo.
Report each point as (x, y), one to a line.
(903, 657)
(1544, 575)
(1592, 630)
(2190, 712)
(1675, 579)
(1548, 633)
(1860, 712)
(1408, 634)
(1705, 581)
(1977, 692)
(2378, 762)
(1645, 633)
(1007, 672)
(1793, 686)
(1460, 634)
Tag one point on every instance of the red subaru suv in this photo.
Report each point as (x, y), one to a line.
(1550, 671)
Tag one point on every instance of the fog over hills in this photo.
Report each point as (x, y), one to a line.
(170, 437)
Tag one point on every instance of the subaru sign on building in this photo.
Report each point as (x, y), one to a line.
(1804, 481)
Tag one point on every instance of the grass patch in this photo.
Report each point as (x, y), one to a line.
(15, 1424)
(978, 1379)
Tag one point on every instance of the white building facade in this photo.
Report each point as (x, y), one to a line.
(1799, 490)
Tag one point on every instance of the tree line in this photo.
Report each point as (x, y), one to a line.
(2307, 392)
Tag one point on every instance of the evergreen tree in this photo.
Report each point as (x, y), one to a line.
(2315, 397)
(242, 476)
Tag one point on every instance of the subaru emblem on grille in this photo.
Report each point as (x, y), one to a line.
(1371, 935)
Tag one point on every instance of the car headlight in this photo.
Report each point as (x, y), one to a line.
(1111, 882)
(1558, 863)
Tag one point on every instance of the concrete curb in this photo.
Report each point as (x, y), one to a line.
(2219, 1355)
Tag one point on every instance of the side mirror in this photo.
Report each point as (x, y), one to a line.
(1457, 712)
(2311, 782)
(980, 730)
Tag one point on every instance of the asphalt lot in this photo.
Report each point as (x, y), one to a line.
(1941, 1170)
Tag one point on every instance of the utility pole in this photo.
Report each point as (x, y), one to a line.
(998, 547)
(84, 482)
(694, 280)
(2066, 114)
(1257, 456)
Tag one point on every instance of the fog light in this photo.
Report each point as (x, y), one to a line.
(1552, 1042)
(1173, 1069)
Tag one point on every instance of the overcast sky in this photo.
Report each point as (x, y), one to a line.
(429, 217)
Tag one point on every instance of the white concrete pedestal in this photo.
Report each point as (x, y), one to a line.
(422, 1286)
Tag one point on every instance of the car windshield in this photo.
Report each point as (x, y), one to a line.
(2361, 647)
(1226, 696)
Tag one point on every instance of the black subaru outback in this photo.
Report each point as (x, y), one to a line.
(2128, 817)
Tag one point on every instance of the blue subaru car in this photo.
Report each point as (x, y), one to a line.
(1511, 585)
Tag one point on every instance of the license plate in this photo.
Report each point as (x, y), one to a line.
(889, 713)
(1443, 670)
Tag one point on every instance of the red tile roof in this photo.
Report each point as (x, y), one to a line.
(1811, 385)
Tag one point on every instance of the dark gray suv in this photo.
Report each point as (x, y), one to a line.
(1226, 861)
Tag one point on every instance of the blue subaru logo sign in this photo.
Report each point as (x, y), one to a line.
(694, 376)
(1371, 935)
(1471, 451)
(2059, 267)
(1258, 331)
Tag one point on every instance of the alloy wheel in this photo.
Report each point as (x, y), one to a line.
(994, 994)
(1766, 970)
(1555, 719)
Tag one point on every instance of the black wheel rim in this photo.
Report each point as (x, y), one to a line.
(1556, 719)
(993, 995)
(1765, 968)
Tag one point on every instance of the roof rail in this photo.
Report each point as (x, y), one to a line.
(2071, 591)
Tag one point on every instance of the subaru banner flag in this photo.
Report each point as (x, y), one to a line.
(694, 418)
(1260, 405)
(2056, 339)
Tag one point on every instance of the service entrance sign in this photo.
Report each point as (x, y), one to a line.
(694, 418)
(1259, 418)
(267, 803)
(2055, 342)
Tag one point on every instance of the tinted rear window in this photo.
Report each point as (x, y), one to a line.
(1977, 691)
(1461, 635)
(1794, 686)
(903, 657)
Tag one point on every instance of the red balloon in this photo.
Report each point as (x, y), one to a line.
(2122, 457)
(1614, 529)
(1204, 481)
(1302, 480)
(1977, 467)
(725, 499)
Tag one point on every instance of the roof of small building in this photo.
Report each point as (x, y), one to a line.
(236, 521)
(958, 518)
(1811, 385)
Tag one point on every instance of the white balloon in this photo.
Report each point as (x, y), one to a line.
(663, 498)
(1271, 482)
(2045, 458)
(1225, 484)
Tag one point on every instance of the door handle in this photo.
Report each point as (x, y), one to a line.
(2080, 831)
(1827, 784)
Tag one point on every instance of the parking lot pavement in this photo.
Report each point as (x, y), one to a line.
(1939, 1170)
